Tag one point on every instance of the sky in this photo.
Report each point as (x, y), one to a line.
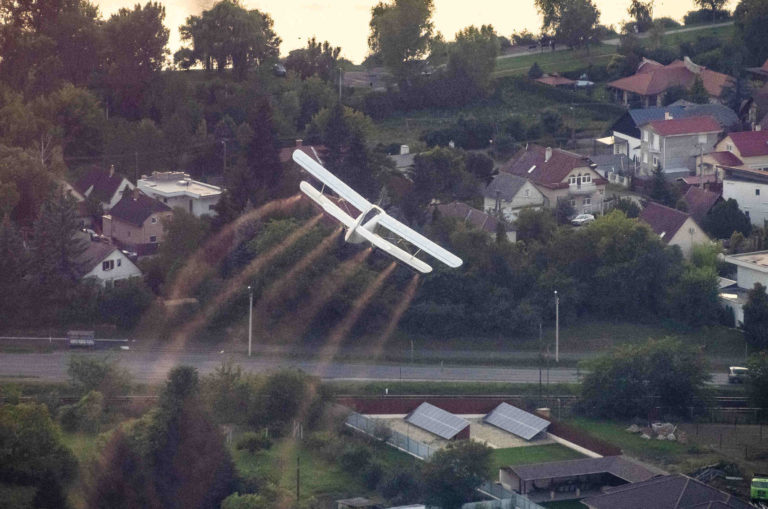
(345, 22)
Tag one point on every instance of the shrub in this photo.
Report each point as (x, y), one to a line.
(85, 415)
(253, 442)
(668, 22)
(355, 458)
(705, 16)
(535, 71)
(372, 474)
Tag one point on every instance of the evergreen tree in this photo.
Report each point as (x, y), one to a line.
(660, 188)
(725, 218)
(335, 137)
(756, 317)
(14, 260)
(698, 94)
(55, 247)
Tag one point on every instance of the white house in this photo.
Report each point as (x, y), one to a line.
(751, 268)
(749, 187)
(508, 194)
(105, 263)
(177, 189)
(675, 145)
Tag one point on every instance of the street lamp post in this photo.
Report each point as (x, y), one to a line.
(557, 327)
(250, 318)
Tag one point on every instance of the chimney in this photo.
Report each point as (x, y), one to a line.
(111, 170)
(667, 115)
(404, 150)
(299, 143)
(548, 154)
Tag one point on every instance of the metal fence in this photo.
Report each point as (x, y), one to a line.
(394, 438)
(506, 499)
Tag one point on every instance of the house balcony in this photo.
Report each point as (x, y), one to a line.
(581, 189)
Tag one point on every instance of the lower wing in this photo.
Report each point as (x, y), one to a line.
(326, 204)
(393, 250)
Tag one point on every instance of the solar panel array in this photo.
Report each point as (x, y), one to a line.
(516, 421)
(436, 420)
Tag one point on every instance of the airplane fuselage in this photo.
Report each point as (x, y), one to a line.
(372, 216)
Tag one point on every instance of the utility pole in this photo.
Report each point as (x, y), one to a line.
(224, 144)
(298, 477)
(250, 318)
(557, 327)
(340, 80)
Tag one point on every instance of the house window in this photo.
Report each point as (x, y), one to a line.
(154, 220)
(757, 192)
(729, 147)
(527, 193)
(573, 203)
(645, 135)
(153, 239)
(586, 178)
(119, 262)
(572, 179)
(165, 200)
(655, 161)
(656, 142)
(587, 201)
(645, 158)
(108, 265)
(211, 207)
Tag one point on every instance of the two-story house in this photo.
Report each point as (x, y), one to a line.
(177, 189)
(748, 148)
(674, 227)
(476, 219)
(677, 145)
(136, 222)
(106, 186)
(508, 194)
(626, 130)
(560, 175)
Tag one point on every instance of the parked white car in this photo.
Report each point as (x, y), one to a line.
(582, 219)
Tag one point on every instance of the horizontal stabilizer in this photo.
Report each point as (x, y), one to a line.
(419, 240)
(327, 205)
(330, 180)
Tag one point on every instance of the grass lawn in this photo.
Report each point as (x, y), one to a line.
(672, 456)
(559, 61)
(723, 32)
(532, 454)
(319, 478)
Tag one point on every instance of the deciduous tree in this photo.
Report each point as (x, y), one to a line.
(572, 22)
(317, 59)
(642, 12)
(751, 18)
(756, 317)
(400, 33)
(452, 474)
(472, 58)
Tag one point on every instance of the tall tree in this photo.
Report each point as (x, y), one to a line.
(228, 34)
(135, 51)
(572, 22)
(317, 59)
(725, 218)
(400, 33)
(756, 317)
(472, 58)
(25, 182)
(642, 12)
(712, 5)
(750, 19)
(14, 260)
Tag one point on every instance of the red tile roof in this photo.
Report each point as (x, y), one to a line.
(654, 79)
(665, 221)
(725, 158)
(529, 163)
(751, 143)
(690, 125)
(700, 202)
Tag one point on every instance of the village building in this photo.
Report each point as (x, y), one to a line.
(508, 194)
(105, 186)
(649, 85)
(136, 222)
(104, 263)
(177, 189)
(674, 227)
(677, 146)
(560, 175)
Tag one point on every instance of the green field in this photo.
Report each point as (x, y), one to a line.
(532, 454)
(721, 32)
(558, 61)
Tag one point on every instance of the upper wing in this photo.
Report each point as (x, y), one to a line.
(419, 240)
(327, 204)
(393, 250)
(330, 180)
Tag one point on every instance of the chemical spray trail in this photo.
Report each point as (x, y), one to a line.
(397, 314)
(324, 291)
(220, 245)
(341, 330)
(239, 282)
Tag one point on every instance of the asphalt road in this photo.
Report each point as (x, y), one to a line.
(153, 366)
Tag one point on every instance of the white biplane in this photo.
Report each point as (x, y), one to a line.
(363, 228)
